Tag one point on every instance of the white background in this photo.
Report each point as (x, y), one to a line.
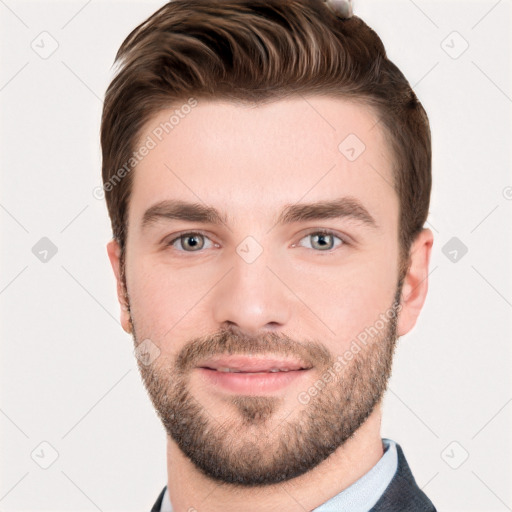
(68, 374)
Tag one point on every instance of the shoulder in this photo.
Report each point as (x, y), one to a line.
(403, 494)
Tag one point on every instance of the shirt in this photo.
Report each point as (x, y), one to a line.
(361, 496)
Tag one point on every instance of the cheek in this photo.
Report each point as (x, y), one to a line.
(170, 304)
(347, 298)
(160, 299)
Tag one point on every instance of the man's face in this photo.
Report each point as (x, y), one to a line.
(264, 281)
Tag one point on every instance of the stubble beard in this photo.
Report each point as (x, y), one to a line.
(244, 450)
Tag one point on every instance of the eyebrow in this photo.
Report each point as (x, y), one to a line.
(343, 207)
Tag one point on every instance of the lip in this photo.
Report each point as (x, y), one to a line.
(253, 376)
(250, 383)
(253, 364)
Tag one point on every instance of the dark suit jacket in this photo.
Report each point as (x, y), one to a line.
(401, 495)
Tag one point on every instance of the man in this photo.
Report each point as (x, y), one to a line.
(267, 173)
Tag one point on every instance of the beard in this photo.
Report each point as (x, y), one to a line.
(243, 449)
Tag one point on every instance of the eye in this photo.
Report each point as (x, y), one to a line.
(190, 242)
(323, 240)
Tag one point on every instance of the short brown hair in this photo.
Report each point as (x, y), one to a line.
(256, 51)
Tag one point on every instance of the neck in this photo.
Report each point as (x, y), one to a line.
(190, 489)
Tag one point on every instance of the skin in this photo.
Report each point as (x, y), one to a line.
(249, 163)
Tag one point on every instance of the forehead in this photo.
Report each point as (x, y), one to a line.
(254, 159)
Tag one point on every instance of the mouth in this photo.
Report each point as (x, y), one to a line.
(271, 370)
(252, 375)
(245, 364)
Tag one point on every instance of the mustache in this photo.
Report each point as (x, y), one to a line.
(231, 341)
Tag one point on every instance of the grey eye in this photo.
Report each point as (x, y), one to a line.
(323, 241)
(190, 242)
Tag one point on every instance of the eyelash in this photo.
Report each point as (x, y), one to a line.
(312, 232)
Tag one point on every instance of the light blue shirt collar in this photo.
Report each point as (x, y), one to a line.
(361, 496)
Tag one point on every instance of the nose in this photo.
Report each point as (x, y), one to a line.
(252, 297)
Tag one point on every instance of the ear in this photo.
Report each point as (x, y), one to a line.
(114, 254)
(415, 287)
